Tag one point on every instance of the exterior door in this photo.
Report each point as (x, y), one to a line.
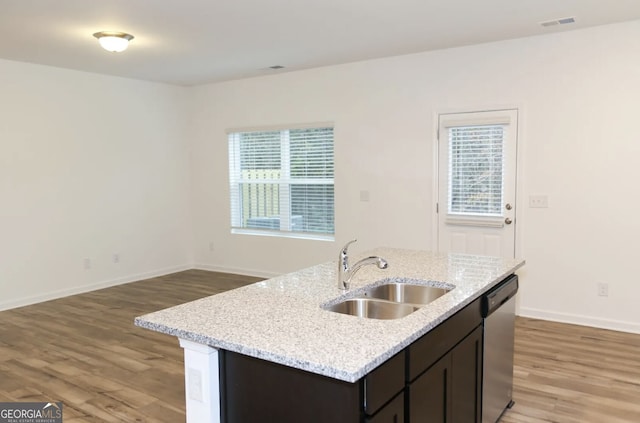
(477, 182)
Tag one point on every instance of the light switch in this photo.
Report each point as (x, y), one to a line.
(538, 201)
(364, 196)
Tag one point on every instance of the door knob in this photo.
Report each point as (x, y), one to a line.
(508, 221)
(508, 206)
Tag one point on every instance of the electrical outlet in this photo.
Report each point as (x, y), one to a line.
(364, 196)
(603, 289)
(115, 258)
(194, 384)
(86, 263)
(538, 201)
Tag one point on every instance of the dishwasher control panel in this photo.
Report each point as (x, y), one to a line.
(499, 295)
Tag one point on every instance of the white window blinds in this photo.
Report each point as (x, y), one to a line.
(476, 160)
(282, 181)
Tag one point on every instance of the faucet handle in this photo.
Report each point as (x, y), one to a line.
(343, 266)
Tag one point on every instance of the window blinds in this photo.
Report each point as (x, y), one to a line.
(282, 180)
(476, 160)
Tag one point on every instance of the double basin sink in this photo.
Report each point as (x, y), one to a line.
(389, 301)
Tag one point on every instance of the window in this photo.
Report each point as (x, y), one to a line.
(476, 169)
(282, 182)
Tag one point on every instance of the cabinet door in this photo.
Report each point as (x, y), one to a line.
(466, 379)
(390, 413)
(256, 391)
(430, 394)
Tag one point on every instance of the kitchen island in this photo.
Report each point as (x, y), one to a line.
(278, 331)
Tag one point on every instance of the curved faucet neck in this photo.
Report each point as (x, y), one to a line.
(345, 272)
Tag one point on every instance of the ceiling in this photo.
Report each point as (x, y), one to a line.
(190, 42)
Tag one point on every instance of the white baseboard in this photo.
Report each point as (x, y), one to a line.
(52, 295)
(246, 272)
(618, 325)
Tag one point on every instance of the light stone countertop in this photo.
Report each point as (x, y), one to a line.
(281, 319)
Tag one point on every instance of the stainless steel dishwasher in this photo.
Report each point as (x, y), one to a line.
(499, 312)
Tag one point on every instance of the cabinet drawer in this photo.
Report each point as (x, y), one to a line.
(427, 350)
(391, 413)
(384, 383)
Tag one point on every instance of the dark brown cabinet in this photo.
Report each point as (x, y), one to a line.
(436, 379)
(466, 379)
(450, 390)
(390, 413)
(254, 390)
(384, 383)
(444, 381)
(430, 394)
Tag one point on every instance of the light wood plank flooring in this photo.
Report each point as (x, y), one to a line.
(85, 351)
(574, 374)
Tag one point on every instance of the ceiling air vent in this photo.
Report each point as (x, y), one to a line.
(561, 21)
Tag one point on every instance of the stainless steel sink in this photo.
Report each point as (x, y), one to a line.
(372, 309)
(406, 293)
(389, 301)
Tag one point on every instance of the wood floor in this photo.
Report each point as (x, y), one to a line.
(85, 351)
(574, 374)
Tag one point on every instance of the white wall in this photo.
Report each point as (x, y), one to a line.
(578, 95)
(90, 166)
(94, 165)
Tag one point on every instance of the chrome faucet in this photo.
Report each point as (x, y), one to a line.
(346, 272)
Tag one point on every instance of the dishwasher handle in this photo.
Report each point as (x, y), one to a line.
(494, 299)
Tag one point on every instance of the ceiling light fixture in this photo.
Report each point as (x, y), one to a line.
(113, 41)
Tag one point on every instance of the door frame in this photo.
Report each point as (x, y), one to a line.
(519, 171)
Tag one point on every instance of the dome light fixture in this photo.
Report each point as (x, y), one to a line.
(115, 42)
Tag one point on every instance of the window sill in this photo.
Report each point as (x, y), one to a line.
(282, 234)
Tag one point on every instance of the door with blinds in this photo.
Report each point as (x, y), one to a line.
(477, 182)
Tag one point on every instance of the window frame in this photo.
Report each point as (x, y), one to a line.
(285, 181)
